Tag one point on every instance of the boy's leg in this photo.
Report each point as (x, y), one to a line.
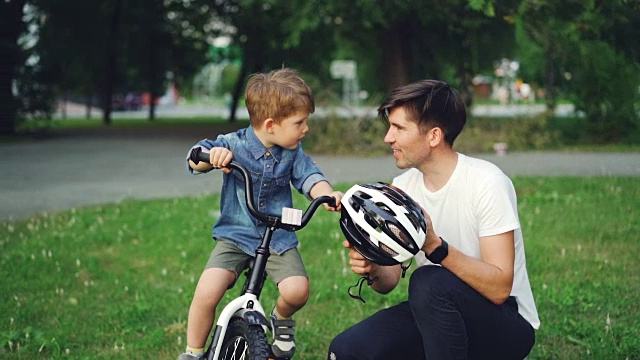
(294, 293)
(211, 287)
(221, 272)
(288, 271)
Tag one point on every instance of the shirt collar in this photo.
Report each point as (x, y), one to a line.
(258, 149)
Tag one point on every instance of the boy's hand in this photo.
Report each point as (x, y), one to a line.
(338, 196)
(220, 157)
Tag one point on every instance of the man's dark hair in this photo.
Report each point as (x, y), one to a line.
(430, 103)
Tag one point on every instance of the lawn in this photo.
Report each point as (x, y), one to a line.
(115, 281)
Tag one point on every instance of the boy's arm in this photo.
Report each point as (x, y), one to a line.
(323, 188)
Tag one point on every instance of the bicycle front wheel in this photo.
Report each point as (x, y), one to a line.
(244, 341)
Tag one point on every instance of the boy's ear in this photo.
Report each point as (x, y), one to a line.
(268, 125)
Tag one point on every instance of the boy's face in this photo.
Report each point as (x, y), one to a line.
(290, 131)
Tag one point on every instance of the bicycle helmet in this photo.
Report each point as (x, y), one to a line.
(382, 223)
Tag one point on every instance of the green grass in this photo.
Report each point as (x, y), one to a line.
(115, 281)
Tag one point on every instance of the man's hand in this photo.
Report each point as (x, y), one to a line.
(359, 264)
(387, 276)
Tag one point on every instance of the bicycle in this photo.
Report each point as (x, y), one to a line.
(240, 331)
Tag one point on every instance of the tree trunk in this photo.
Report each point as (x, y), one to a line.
(550, 96)
(153, 31)
(395, 60)
(65, 101)
(89, 105)
(152, 106)
(111, 69)
(466, 74)
(237, 90)
(10, 29)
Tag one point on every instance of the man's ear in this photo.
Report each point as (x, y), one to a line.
(436, 136)
(268, 125)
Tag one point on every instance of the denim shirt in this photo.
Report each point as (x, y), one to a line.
(273, 171)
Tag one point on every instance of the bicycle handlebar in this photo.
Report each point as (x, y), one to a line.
(198, 155)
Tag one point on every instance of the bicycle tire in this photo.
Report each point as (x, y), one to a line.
(244, 341)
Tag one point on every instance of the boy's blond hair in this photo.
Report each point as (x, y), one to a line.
(277, 95)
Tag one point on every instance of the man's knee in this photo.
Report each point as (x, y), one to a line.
(430, 283)
(340, 348)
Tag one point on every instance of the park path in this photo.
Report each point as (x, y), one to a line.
(66, 171)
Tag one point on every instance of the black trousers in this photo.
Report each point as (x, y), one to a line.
(443, 319)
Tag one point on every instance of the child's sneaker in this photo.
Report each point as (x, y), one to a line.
(284, 345)
(190, 356)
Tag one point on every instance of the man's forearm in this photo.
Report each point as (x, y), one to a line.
(487, 279)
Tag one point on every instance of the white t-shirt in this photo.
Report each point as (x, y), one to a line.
(478, 200)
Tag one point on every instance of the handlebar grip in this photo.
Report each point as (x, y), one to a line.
(329, 200)
(197, 155)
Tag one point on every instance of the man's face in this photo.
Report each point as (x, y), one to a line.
(410, 147)
(290, 131)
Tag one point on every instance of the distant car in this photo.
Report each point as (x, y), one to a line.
(129, 102)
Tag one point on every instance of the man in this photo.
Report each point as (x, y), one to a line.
(470, 298)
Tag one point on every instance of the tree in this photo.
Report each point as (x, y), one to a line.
(402, 41)
(548, 27)
(406, 41)
(589, 49)
(88, 48)
(11, 56)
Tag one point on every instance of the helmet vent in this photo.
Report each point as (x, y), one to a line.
(362, 194)
(384, 207)
(388, 250)
(399, 234)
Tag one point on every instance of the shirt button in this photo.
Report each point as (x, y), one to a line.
(261, 204)
(264, 185)
(267, 154)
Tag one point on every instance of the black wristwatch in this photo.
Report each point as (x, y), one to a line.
(439, 253)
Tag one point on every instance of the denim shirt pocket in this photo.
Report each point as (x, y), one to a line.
(255, 176)
(283, 180)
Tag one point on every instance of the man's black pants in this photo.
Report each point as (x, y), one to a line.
(443, 319)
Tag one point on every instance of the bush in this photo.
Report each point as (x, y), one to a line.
(360, 135)
(523, 133)
(363, 135)
(604, 86)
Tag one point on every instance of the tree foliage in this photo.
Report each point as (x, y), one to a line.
(588, 50)
(579, 49)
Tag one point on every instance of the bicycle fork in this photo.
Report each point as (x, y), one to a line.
(247, 307)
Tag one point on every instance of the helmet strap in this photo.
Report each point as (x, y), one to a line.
(359, 285)
(405, 267)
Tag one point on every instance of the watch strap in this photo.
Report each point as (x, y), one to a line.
(439, 253)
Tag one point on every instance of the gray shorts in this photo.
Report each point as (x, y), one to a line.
(228, 256)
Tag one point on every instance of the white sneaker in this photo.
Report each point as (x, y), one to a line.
(284, 345)
(190, 356)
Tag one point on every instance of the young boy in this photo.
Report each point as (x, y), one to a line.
(279, 104)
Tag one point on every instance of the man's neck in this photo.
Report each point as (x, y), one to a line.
(438, 170)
